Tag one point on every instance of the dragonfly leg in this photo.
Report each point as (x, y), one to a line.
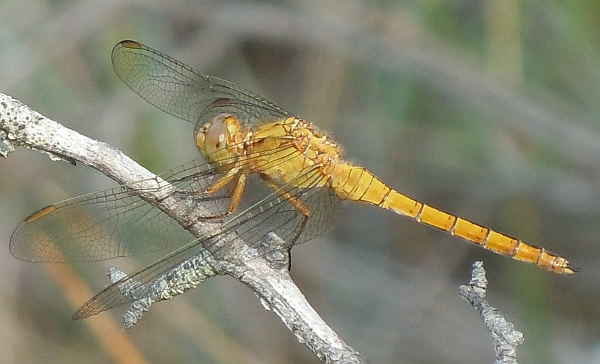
(296, 203)
(237, 188)
(236, 194)
(238, 183)
(222, 182)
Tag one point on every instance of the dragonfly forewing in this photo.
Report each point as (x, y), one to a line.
(182, 92)
(116, 222)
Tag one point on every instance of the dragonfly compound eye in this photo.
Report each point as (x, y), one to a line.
(215, 140)
(216, 134)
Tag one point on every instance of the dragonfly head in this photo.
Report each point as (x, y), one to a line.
(217, 140)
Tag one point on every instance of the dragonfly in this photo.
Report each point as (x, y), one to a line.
(264, 171)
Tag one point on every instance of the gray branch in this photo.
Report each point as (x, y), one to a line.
(506, 338)
(22, 127)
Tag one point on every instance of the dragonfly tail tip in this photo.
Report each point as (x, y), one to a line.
(571, 269)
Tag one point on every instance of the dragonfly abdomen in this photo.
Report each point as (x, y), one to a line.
(357, 184)
(493, 240)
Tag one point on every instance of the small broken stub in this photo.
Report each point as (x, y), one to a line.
(6, 146)
(276, 251)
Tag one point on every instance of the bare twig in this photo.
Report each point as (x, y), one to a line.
(506, 338)
(22, 127)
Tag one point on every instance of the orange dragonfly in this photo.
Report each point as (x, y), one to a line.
(295, 172)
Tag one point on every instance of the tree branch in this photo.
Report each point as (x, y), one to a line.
(506, 338)
(22, 127)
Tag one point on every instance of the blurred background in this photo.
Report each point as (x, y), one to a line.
(486, 109)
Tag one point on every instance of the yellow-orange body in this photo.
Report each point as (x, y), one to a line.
(293, 152)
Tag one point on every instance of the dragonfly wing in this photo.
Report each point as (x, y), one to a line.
(186, 267)
(182, 92)
(154, 281)
(159, 280)
(92, 227)
(274, 213)
(115, 222)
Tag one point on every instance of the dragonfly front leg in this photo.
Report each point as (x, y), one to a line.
(234, 177)
(236, 190)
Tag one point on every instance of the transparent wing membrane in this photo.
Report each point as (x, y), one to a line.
(252, 225)
(182, 92)
(109, 224)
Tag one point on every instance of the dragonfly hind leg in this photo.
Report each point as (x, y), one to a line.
(298, 205)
